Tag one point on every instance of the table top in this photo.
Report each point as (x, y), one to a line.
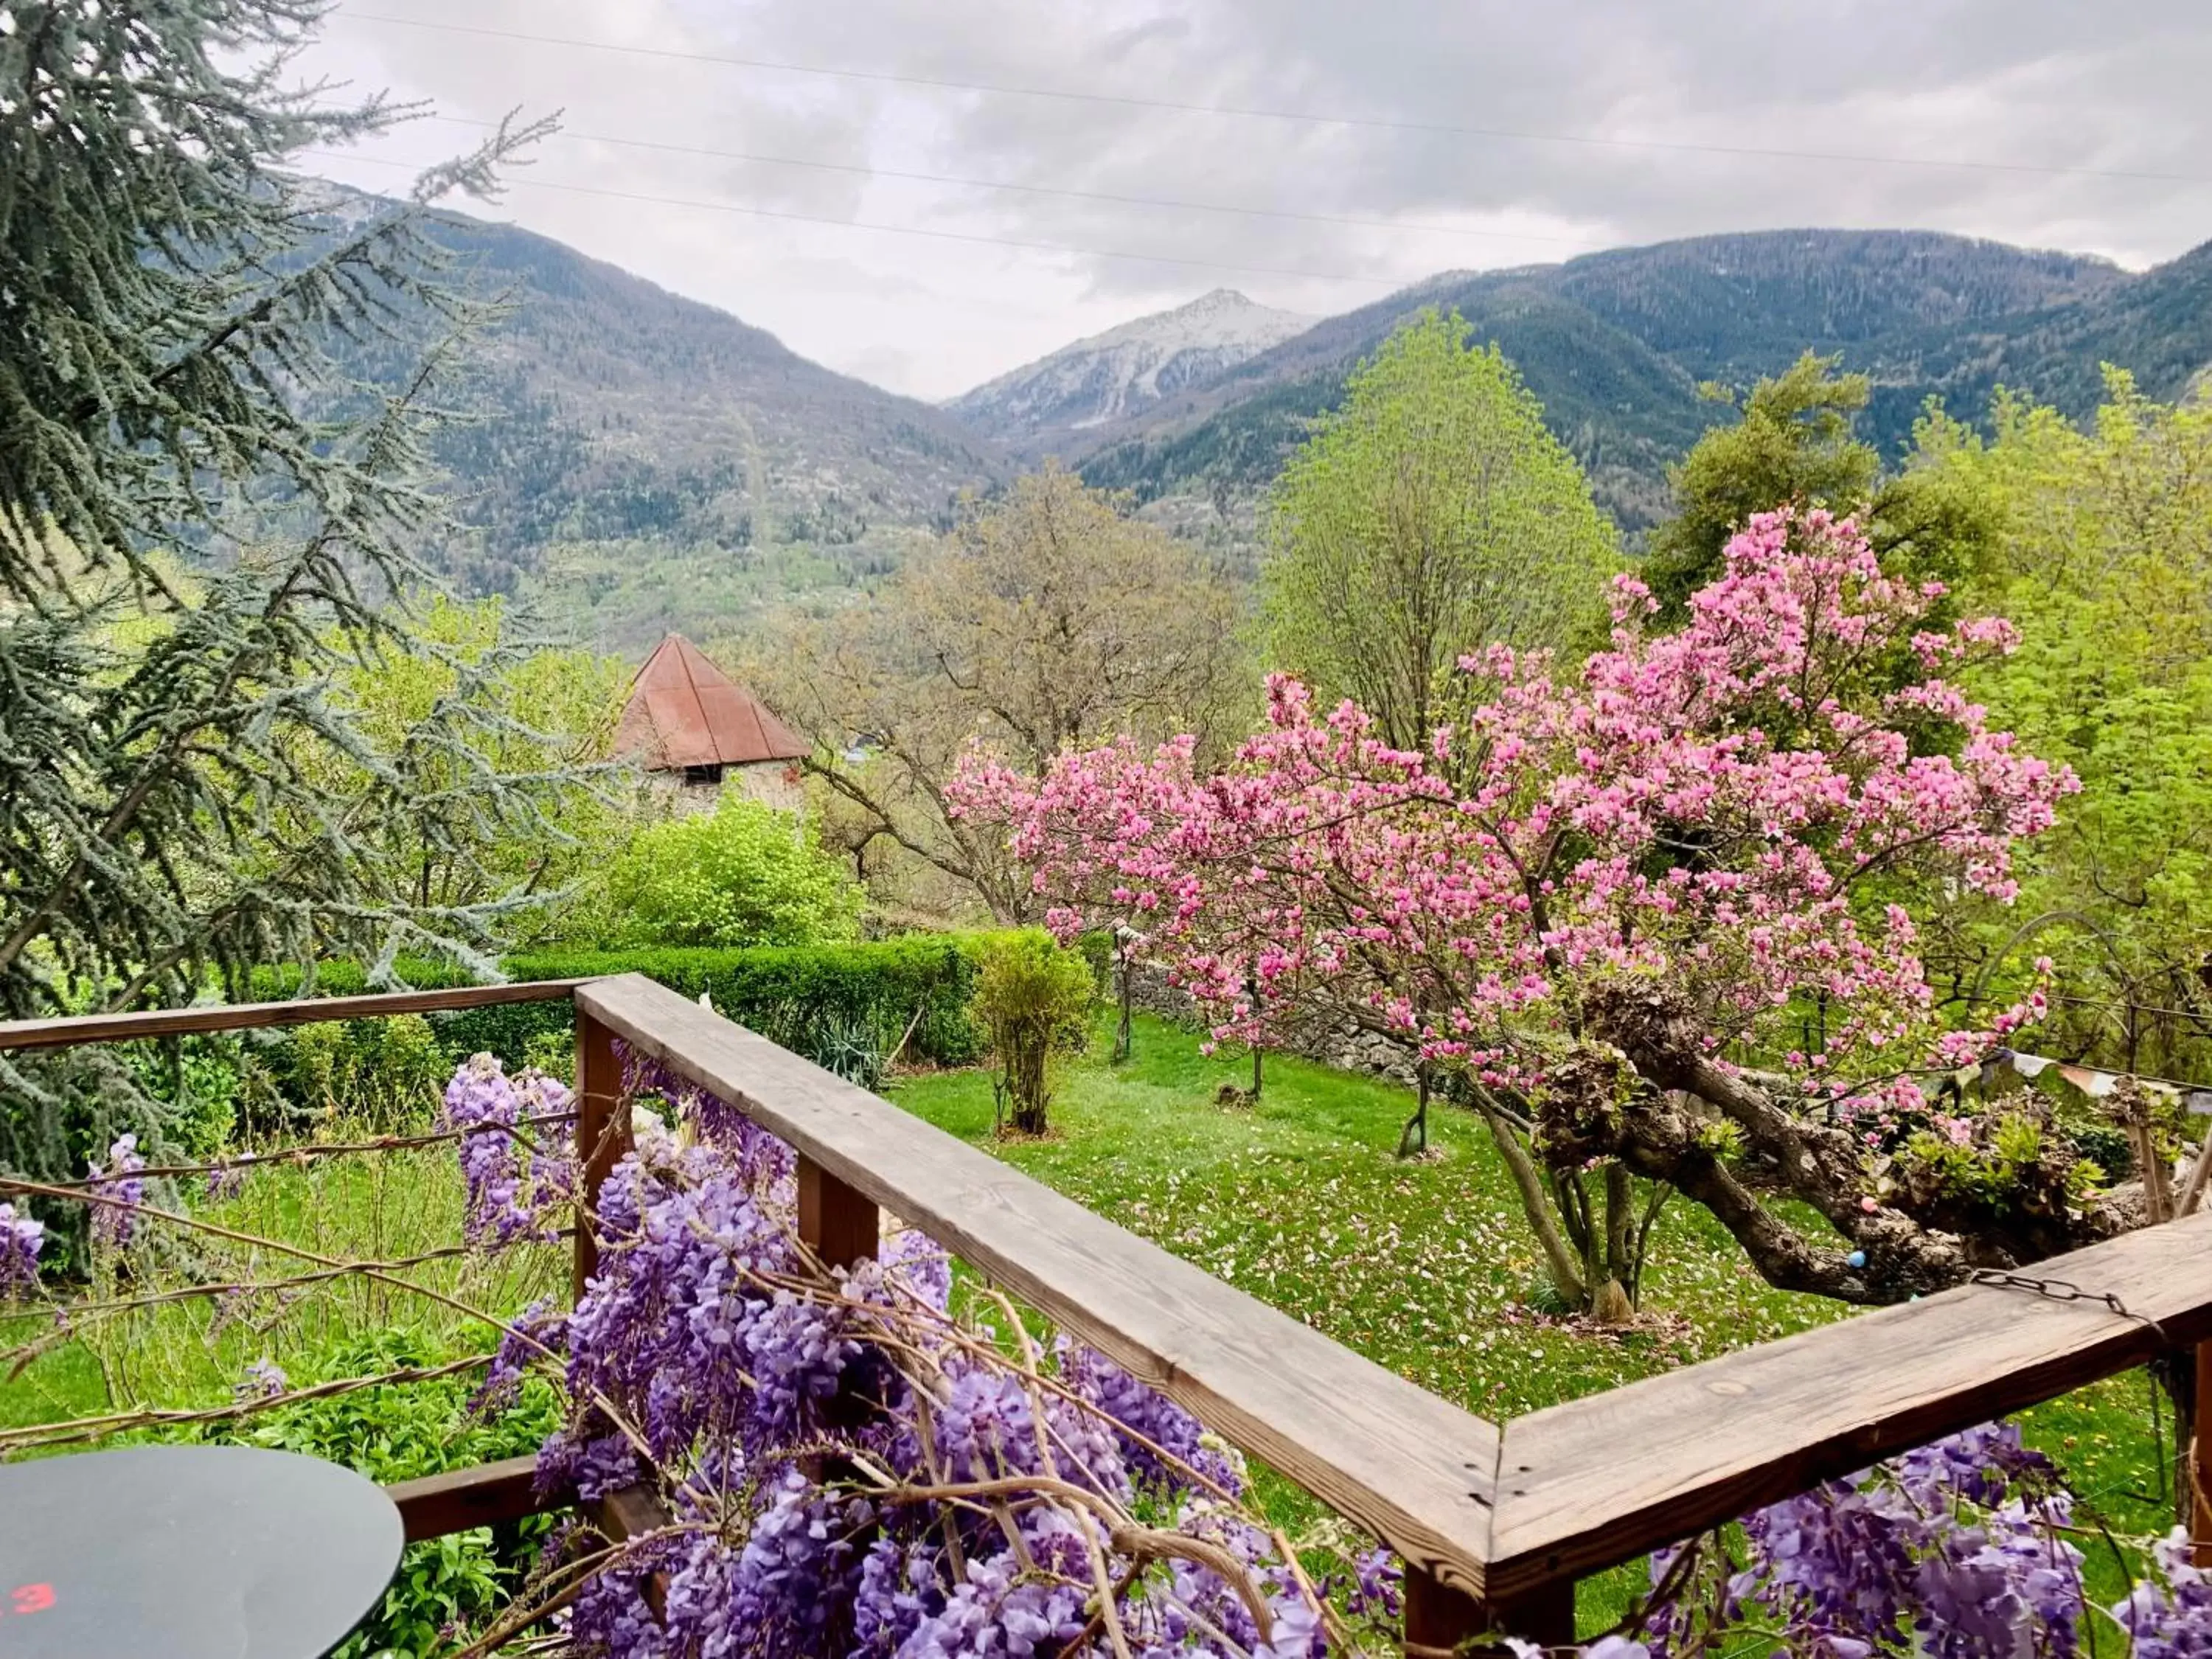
(189, 1553)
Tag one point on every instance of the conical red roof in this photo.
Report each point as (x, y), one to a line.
(683, 711)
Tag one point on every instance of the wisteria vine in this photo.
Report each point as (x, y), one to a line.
(846, 1466)
(857, 1463)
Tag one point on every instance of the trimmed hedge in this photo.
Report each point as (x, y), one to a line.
(803, 996)
(823, 1000)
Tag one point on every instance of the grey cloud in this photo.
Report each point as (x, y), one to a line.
(2030, 83)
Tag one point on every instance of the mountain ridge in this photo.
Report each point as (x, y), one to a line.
(639, 461)
(607, 411)
(1616, 343)
(1122, 371)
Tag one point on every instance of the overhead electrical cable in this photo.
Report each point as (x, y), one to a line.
(1591, 140)
(1388, 283)
(865, 170)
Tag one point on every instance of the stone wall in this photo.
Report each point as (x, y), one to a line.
(1342, 1045)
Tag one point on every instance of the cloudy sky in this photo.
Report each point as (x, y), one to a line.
(927, 192)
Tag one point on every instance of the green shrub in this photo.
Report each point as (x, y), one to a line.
(847, 1006)
(742, 874)
(201, 1080)
(402, 1432)
(1031, 999)
(385, 1073)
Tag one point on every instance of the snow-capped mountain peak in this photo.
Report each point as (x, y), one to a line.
(1126, 369)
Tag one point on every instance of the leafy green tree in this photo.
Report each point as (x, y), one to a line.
(1046, 618)
(539, 719)
(1795, 446)
(742, 874)
(168, 405)
(1430, 515)
(2103, 558)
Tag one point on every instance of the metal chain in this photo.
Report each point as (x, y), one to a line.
(2058, 1290)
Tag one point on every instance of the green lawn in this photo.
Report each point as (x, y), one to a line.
(191, 1354)
(1425, 1266)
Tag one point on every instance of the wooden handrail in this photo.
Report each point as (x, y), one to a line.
(1496, 1521)
(1410, 1468)
(1600, 1480)
(246, 1015)
(481, 1495)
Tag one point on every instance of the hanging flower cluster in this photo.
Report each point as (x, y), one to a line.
(2169, 1616)
(1958, 1550)
(1954, 1551)
(116, 1222)
(21, 1238)
(518, 1167)
(847, 1467)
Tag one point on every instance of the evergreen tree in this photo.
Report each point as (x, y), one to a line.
(1795, 446)
(202, 523)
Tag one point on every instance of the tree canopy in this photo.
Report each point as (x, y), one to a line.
(1046, 619)
(2102, 554)
(202, 522)
(1606, 904)
(1429, 516)
(742, 874)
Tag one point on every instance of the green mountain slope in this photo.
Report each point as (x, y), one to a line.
(640, 460)
(1615, 343)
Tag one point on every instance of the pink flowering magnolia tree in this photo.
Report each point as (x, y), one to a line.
(1654, 920)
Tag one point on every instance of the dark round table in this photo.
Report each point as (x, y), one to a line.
(189, 1553)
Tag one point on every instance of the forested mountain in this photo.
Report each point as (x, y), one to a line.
(641, 461)
(1616, 343)
(1040, 407)
(627, 439)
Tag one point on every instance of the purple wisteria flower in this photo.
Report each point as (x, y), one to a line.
(508, 1197)
(264, 1379)
(116, 1222)
(1956, 1550)
(21, 1240)
(227, 1180)
(538, 1328)
(693, 1361)
(2169, 1616)
(1144, 1419)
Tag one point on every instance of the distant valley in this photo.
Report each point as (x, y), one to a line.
(640, 461)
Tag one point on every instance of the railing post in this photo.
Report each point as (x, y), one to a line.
(2200, 1463)
(1442, 1619)
(837, 1223)
(602, 1131)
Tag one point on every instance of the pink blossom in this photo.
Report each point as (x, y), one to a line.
(1709, 808)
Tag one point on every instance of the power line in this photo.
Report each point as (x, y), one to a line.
(1386, 282)
(1378, 123)
(866, 171)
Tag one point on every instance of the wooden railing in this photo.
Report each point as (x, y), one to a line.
(1496, 1523)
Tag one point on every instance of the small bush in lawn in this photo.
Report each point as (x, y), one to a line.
(1031, 1001)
